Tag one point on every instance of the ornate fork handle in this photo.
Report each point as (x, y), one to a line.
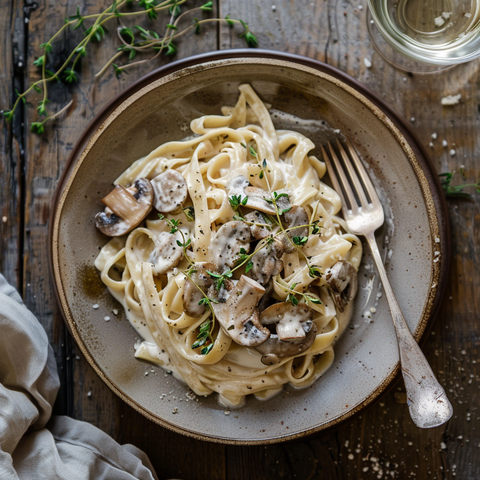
(426, 398)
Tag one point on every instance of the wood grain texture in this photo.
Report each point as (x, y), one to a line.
(383, 442)
(380, 443)
(11, 144)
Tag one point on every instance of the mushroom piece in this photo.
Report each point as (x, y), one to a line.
(343, 282)
(264, 301)
(257, 200)
(170, 190)
(125, 208)
(258, 231)
(237, 186)
(229, 239)
(166, 253)
(289, 319)
(240, 186)
(266, 262)
(274, 349)
(191, 294)
(238, 316)
(295, 217)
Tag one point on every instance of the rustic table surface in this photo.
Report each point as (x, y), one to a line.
(381, 442)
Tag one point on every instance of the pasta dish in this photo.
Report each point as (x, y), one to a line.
(229, 258)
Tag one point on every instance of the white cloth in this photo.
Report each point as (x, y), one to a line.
(34, 446)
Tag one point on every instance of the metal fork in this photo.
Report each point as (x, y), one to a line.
(363, 212)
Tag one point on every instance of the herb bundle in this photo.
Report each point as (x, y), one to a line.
(134, 40)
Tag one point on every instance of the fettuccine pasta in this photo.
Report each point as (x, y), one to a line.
(243, 214)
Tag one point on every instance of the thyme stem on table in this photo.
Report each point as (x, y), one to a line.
(133, 40)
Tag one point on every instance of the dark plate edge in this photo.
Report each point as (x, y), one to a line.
(418, 149)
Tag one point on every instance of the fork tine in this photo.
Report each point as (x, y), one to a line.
(343, 177)
(333, 178)
(353, 175)
(372, 193)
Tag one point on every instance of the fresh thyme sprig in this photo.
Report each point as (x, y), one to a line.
(456, 191)
(236, 201)
(174, 228)
(221, 277)
(133, 40)
(291, 297)
(204, 335)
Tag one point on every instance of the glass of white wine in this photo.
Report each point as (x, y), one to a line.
(425, 35)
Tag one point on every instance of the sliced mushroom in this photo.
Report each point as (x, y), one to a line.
(237, 185)
(342, 278)
(166, 254)
(170, 190)
(264, 301)
(238, 316)
(229, 239)
(125, 208)
(295, 217)
(274, 349)
(257, 200)
(289, 319)
(258, 231)
(191, 293)
(266, 262)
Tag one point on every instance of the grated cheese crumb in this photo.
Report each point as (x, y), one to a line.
(450, 100)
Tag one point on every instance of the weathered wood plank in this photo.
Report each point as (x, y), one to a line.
(11, 144)
(83, 394)
(383, 442)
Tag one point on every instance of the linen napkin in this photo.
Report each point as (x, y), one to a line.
(33, 444)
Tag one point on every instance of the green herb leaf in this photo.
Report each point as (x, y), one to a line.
(37, 127)
(253, 152)
(8, 114)
(195, 22)
(41, 107)
(47, 47)
(314, 272)
(171, 27)
(39, 61)
(229, 21)
(161, 216)
(37, 88)
(96, 33)
(24, 100)
(243, 145)
(171, 48)
(127, 34)
(315, 300)
(174, 9)
(300, 240)
(236, 201)
(77, 17)
(206, 350)
(70, 76)
(199, 343)
(82, 51)
(208, 7)
(315, 227)
(248, 266)
(214, 274)
(189, 213)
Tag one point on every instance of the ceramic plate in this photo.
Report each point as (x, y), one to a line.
(159, 108)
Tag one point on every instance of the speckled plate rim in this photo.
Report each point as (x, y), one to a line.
(435, 204)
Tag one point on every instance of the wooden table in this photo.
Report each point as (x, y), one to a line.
(381, 442)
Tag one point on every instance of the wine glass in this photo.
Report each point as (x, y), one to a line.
(425, 35)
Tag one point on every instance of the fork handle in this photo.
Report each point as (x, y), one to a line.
(426, 398)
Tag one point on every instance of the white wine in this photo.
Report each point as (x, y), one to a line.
(442, 32)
